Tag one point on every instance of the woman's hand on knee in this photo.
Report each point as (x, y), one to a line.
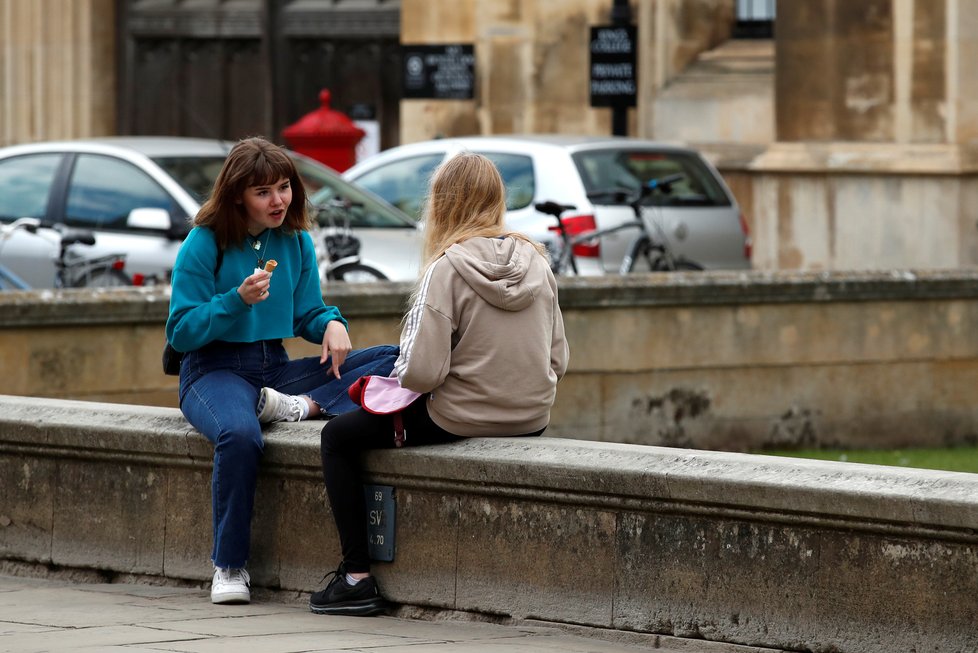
(336, 346)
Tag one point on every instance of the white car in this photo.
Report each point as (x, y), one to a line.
(697, 216)
(138, 194)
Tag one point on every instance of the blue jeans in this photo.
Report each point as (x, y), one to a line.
(219, 388)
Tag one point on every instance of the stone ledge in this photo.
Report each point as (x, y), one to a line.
(150, 305)
(568, 471)
(868, 158)
(726, 547)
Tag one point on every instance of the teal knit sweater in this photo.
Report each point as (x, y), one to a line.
(205, 307)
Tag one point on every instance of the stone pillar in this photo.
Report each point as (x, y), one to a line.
(962, 74)
(57, 69)
(889, 71)
(835, 70)
(877, 113)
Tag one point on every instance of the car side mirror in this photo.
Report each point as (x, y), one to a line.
(149, 218)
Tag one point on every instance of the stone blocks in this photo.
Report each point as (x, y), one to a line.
(750, 550)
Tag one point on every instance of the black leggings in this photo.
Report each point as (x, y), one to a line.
(344, 438)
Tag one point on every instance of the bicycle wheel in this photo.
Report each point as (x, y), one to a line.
(679, 264)
(103, 278)
(356, 273)
(644, 258)
(685, 265)
(649, 258)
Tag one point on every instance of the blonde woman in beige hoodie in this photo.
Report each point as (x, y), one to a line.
(483, 342)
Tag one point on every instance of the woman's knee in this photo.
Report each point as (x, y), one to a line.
(331, 437)
(346, 434)
(241, 440)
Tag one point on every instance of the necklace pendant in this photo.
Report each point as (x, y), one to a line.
(257, 245)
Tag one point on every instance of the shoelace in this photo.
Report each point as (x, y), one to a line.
(234, 575)
(335, 574)
(295, 411)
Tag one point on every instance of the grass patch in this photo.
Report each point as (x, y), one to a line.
(955, 459)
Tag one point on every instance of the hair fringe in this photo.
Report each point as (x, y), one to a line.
(252, 161)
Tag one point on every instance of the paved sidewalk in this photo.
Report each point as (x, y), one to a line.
(56, 615)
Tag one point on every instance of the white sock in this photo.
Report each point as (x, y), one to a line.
(351, 581)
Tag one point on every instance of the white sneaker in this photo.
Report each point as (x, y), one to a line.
(273, 406)
(230, 586)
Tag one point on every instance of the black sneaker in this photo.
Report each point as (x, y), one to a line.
(360, 600)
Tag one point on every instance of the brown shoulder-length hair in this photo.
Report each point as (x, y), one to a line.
(251, 162)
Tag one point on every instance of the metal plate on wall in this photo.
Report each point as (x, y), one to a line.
(380, 521)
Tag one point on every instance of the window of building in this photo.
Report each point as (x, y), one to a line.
(755, 19)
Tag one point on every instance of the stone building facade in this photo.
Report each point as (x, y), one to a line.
(848, 139)
(57, 69)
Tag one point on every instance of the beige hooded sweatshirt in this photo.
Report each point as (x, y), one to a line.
(485, 337)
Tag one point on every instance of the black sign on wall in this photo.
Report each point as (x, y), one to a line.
(380, 521)
(613, 58)
(439, 72)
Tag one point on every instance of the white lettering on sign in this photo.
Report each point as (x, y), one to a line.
(376, 517)
(612, 41)
(620, 70)
(612, 87)
(452, 70)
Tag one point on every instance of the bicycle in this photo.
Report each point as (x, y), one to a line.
(72, 269)
(648, 252)
(338, 248)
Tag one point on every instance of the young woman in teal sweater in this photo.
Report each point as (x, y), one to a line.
(230, 316)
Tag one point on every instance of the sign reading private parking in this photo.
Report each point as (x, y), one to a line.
(439, 72)
(613, 57)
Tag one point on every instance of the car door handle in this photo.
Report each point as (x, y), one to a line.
(681, 231)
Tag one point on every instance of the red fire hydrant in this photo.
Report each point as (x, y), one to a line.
(325, 135)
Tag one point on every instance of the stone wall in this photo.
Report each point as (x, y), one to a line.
(831, 206)
(714, 547)
(532, 61)
(738, 361)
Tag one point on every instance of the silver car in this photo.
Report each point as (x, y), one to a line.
(138, 195)
(698, 216)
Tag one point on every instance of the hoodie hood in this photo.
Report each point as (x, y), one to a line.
(499, 270)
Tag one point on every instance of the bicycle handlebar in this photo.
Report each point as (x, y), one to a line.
(29, 225)
(666, 181)
(633, 196)
(339, 203)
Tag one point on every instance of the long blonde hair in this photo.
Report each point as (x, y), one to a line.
(466, 199)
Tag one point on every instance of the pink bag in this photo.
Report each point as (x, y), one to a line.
(383, 395)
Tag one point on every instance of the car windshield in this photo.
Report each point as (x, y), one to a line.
(613, 176)
(196, 174)
(340, 200)
(342, 204)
